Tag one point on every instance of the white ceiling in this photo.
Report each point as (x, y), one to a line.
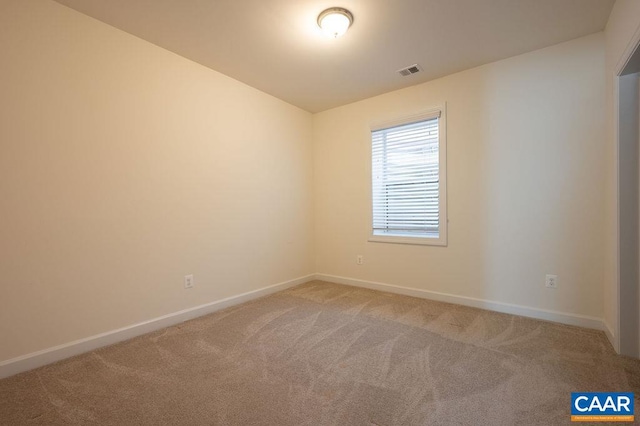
(276, 46)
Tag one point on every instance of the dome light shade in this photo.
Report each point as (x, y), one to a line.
(335, 21)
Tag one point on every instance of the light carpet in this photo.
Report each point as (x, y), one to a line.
(328, 354)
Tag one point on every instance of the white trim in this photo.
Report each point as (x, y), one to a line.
(623, 60)
(507, 308)
(67, 350)
(77, 347)
(616, 213)
(628, 52)
(429, 114)
(611, 335)
(417, 240)
(440, 112)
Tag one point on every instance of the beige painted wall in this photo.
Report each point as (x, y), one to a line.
(623, 23)
(124, 167)
(525, 183)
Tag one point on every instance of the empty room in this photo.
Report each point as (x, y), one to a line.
(282, 212)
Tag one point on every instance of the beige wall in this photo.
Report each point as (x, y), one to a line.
(620, 32)
(124, 167)
(525, 183)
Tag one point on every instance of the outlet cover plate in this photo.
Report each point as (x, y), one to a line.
(188, 281)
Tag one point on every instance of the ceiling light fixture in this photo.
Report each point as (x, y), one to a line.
(335, 21)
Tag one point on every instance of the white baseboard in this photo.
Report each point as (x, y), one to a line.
(37, 359)
(507, 308)
(67, 350)
(611, 335)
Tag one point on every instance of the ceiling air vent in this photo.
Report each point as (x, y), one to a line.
(411, 69)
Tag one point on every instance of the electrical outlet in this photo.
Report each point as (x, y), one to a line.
(188, 281)
(551, 281)
(359, 259)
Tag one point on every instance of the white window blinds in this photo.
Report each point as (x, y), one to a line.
(406, 179)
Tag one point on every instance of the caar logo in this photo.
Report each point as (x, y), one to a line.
(601, 407)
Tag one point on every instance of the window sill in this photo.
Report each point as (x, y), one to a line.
(421, 241)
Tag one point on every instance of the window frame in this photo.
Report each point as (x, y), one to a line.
(431, 113)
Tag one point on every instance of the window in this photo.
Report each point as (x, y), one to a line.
(408, 164)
